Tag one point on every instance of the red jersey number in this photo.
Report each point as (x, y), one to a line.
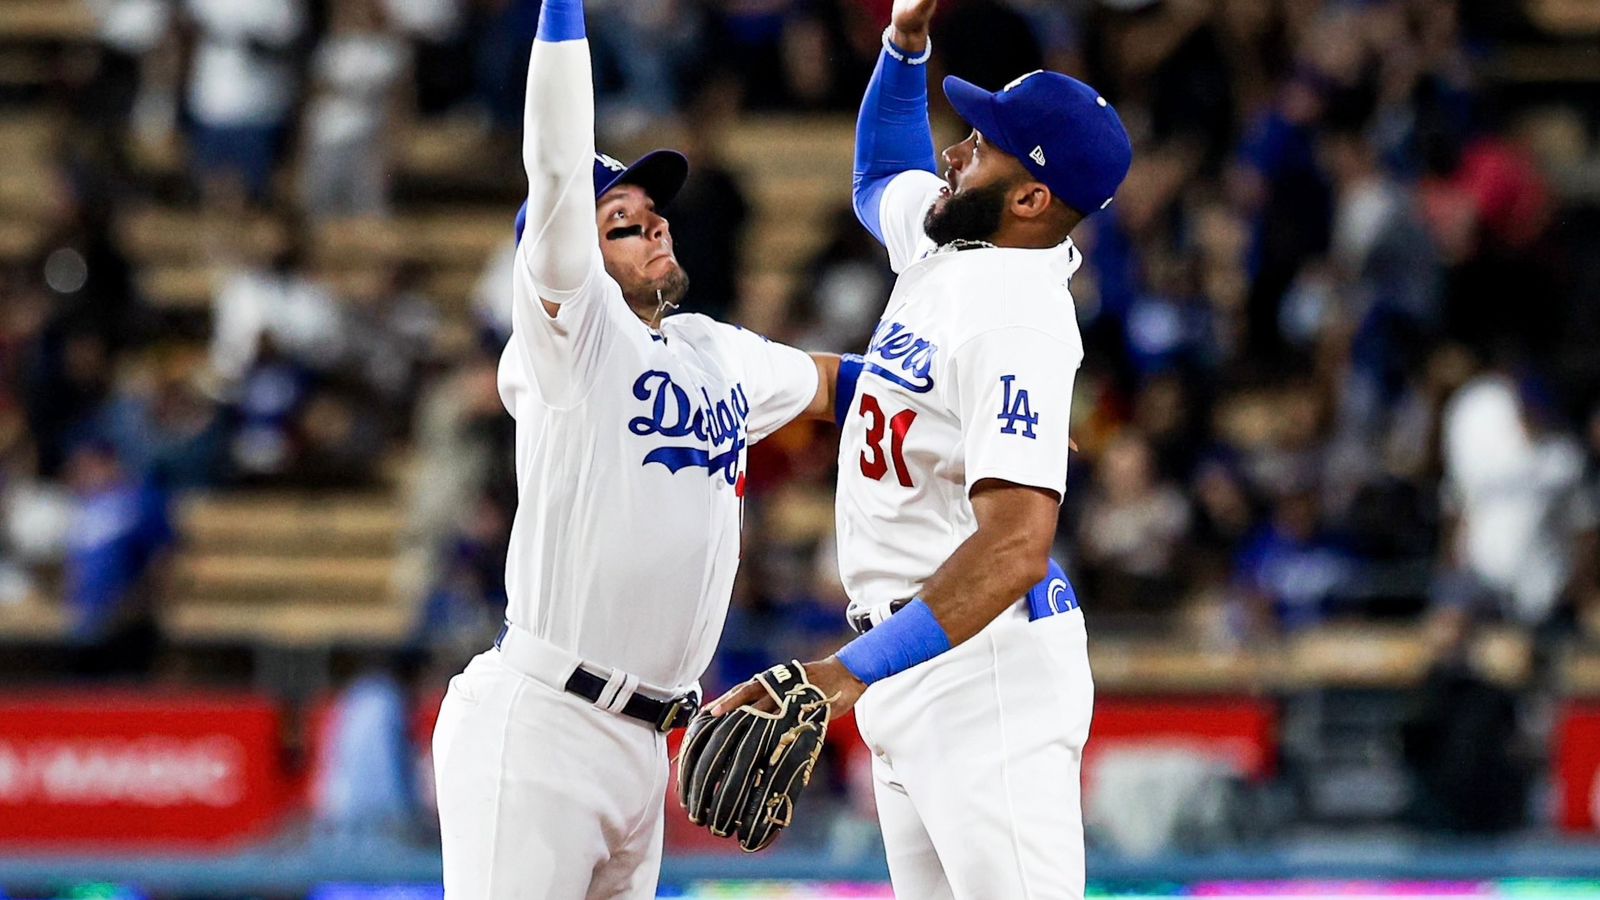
(874, 465)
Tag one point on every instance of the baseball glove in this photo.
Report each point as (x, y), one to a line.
(739, 773)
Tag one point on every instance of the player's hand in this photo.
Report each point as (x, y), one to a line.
(829, 675)
(911, 20)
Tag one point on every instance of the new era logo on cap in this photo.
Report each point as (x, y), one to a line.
(1037, 155)
(660, 172)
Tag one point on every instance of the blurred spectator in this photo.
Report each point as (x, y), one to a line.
(1516, 505)
(502, 39)
(357, 73)
(163, 426)
(1132, 532)
(296, 427)
(22, 530)
(443, 57)
(1169, 327)
(1374, 305)
(67, 378)
(467, 602)
(986, 42)
(269, 398)
(844, 290)
(828, 52)
(1225, 515)
(1170, 60)
(1378, 242)
(491, 296)
(462, 440)
(273, 297)
(1278, 186)
(362, 778)
(1586, 565)
(1464, 745)
(1059, 28)
(389, 334)
(642, 56)
(83, 266)
(748, 40)
(711, 214)
(1290, 574)
(1169, 412)
(119, 535)
(343, 438)
(129, 31)
(1489, 209)
(34, 511)
(242, 91)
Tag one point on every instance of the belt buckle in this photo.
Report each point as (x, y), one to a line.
(860, 623)
(677, 712)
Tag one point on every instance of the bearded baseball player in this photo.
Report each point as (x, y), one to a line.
(971, 667)
(631, 438)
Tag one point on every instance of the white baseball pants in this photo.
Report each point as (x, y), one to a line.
(542, 796)
(977, 758)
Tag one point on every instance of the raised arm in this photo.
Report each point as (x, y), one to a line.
(892, 132)
(560, 237)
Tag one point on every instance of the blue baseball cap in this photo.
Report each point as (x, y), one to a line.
(1062, 131)
(660, 172)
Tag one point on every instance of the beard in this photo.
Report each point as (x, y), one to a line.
(973, 215)
(646, 294)
(642, 293)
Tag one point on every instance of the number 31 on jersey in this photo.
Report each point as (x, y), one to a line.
(874, 463)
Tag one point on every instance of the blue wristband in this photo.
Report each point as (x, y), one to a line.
(905, 56)
(844, 386)
(561, 20)
(908, 637)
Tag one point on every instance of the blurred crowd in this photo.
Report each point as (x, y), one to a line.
(1339, 321)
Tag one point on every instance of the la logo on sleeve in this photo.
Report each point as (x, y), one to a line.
(1015, 409)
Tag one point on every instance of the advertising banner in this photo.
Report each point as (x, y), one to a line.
(120, 769)
(1577, 764)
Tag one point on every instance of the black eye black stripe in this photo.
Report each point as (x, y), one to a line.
(617, 234)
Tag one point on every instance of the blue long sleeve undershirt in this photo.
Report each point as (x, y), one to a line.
(892, 135)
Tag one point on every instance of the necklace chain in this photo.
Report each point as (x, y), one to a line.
(965, 244)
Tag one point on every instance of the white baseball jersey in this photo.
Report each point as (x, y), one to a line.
(630, 454)
(968, 376)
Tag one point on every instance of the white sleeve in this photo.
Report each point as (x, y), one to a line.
(558, 258)
(1014, 394)
(562, 354)
(900, 213)
(779, 381)
(561, 243)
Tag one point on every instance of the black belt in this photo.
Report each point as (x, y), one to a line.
(663, 715)
(861, 622)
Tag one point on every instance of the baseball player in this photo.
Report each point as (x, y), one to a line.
(632, 430)
(971, 667)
